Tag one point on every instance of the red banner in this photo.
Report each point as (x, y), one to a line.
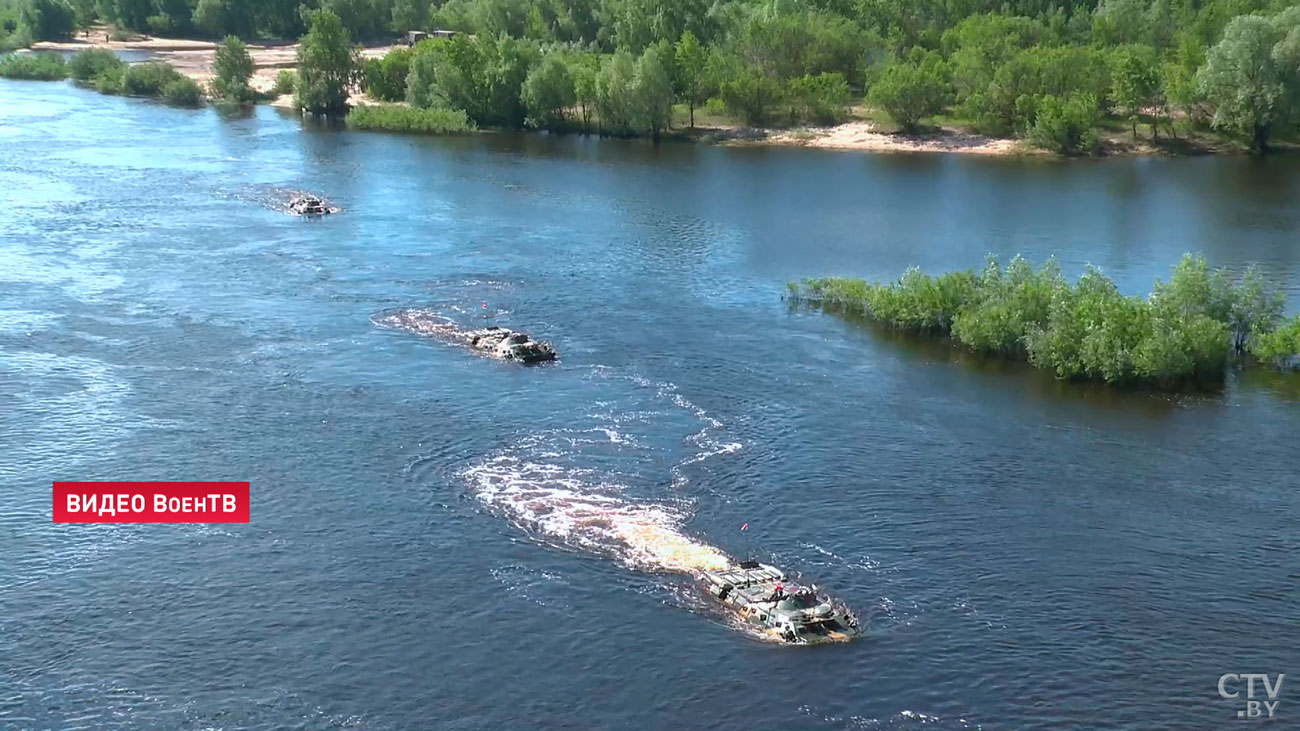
(151, 502)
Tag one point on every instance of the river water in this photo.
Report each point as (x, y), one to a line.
(443, 541)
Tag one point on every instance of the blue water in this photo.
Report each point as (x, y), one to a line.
(443, 541)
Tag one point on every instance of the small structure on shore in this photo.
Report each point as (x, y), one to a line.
(412, 37)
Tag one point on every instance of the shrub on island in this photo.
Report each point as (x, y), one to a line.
(183, 91)
(399, 118)
(34, 66)
(1183, 333)
(92, 62)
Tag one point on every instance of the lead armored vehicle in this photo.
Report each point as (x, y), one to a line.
(789, 612)
(310, 205)
(506, 344)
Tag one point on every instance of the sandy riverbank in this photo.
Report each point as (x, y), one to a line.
(865, 136)
(195, 58)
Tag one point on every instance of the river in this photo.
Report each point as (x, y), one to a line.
(443, 541)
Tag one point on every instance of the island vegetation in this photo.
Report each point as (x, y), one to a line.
(1065, 75)
(108, 74)
(1186, 332)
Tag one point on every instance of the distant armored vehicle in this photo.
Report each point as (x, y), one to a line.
(791, 613)
(506, 344)
(310, 205)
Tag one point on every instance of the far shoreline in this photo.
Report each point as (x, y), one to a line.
(194, 58)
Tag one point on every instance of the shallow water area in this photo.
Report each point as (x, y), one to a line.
(441, 540)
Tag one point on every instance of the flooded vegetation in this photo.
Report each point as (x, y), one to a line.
(397, 118)
(1182, 334)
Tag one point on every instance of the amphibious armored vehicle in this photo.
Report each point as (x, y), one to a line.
(789, 612)
(310, 205)
(493, 341)
(506, 344)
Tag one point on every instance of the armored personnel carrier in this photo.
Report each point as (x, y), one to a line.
(506, 344)
(493, 341)
(310, 205)
(792, 613)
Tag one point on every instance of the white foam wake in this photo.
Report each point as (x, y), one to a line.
(577, 508)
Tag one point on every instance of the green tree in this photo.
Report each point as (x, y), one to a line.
(751, 95)
(637, 24)
(225, 17)
(911, 91)
(1250, 91)
(1135, 83)
(233, 67)
(585, 68)
(328, 65)
(652, 93)
(279, 18)
(548, 92)
(362, 18)
(409, 14)
(450, 74)
(47, 19)
(1256, 308)
(127, 13)
(482, 75)
(614, 92)
(692, 65)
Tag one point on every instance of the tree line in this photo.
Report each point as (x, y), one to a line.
(1184, 333)
(1054, 72)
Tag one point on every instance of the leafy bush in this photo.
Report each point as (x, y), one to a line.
(751, 96)
(401, 118)
(822, 98)
(285, 82)
(1009, 305)
(1281, 347)
(911, 91)
(1066, 125)
(148, 78)
(35, 66)
(111, 80)
(183, 91)
(86, 65)
(1184, 332)
(385, 78)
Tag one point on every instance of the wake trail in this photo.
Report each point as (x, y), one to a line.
(563, 485)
